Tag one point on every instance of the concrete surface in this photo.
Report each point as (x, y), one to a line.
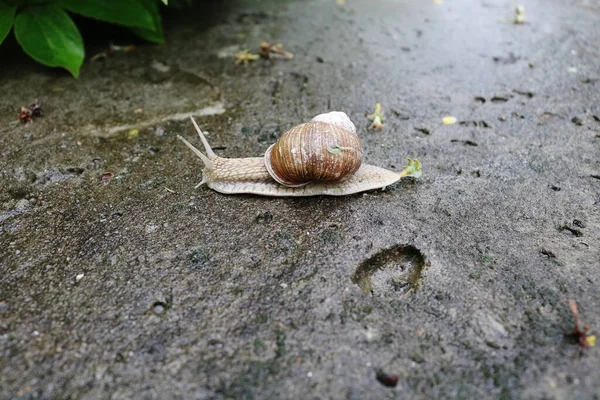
(135, 285)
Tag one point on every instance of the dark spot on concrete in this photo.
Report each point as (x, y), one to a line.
(320, 60)
(499, 99)
(567, 230)
(480, 99)
(481, 124)
(267, 133)
(264, 217)
(330, 235)
(18, 191)
(577, 121)
(253, 17)
(475, 275)
(300, 79)
(262, 318)
(476, 173)
(555, 188)
(388, 380)
(238, 290)
(280, 343)
(286, 241)
(400, 115)
(596, 118)
(527, 94)
(590, 80)
(547, 253)
(75, 170)
(465, 142)
(177, 207)
(152, 183)
(423, 130)
(199, 257)
(510, 59)
(578, 223)
(595, 176)
(487, 261)
(390, 272)
(416, 357)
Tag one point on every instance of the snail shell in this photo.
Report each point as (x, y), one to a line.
(326, 149)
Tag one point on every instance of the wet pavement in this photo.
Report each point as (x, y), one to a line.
(120, 280)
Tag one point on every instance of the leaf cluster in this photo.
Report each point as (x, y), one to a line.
(46, 32)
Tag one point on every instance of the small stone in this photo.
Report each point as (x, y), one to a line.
(159, 308)
(22, 205)
(79, 277)
(151, 228)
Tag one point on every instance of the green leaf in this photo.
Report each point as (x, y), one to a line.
(165, 2)
(124, 12)
(413, 169)
(155, 35)
(49, 36)
(7, 17)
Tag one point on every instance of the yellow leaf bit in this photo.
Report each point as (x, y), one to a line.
(244, 56)
(591, 340)
(449, 120)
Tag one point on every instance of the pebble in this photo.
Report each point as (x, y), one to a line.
(151, 228)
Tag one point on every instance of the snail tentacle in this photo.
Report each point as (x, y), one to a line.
(211, 154)
(208, 164)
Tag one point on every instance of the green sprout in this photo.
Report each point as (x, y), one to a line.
(413, 169)
(377, 117)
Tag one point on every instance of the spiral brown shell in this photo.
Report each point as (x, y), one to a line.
(314, 151)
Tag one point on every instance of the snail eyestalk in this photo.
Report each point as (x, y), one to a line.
(208, 164)
(413, 169)
(211, 154)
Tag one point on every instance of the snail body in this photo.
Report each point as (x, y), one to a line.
(320, 157)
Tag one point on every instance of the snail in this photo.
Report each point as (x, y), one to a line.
(320, 157)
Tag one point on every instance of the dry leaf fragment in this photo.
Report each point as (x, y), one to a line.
(269, 50)
(519, 17)
(244, 56)
(580, 330)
